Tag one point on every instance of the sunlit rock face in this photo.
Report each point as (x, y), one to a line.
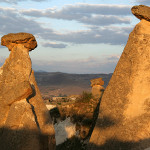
(97, 88)
(25, 123)
(141, 12)
(124, 116)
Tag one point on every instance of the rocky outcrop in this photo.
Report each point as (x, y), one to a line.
(141, 12)
(97, 88)
(25, 123)
(97, 81)
(124, 117)
(26, 39)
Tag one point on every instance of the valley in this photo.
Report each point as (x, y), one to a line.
(63, 84)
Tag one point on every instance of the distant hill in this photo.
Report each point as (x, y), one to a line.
(57, 83)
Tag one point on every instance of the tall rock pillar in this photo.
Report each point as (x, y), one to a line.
(124, 116)
(25, 122)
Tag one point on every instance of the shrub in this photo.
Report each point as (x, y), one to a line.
(85, 97)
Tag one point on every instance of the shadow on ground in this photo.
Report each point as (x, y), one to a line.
(24, 140)
(114, 144)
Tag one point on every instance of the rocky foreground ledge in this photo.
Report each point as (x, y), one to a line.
(25, 123)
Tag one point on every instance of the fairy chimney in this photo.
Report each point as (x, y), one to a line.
(25, 122)
(124, 116)
(97, 87)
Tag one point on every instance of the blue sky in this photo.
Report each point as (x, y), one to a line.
(74, 36)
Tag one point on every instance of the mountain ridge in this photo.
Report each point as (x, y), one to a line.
(56, 83)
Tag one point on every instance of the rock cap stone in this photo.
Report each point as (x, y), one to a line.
(141, 12)
(97, 81)
(11, 39)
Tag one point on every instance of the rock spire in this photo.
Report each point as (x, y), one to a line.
(124, 116)
(25, 123)
(97, 88)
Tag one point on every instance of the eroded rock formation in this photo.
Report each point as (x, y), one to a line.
(141, 12)
(97, 88)
(124, 117)
(25, 123)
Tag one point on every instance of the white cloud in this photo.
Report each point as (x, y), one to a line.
(97, 14)
(16, 1)
(54, 45)
(104, 20)
(103, 27)
(113, 58)
(13, 21)
(70, 12)
(103, 9)
(108, 35)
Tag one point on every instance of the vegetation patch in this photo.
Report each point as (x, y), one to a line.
(85, 97)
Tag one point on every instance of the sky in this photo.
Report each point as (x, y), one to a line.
(74, 36)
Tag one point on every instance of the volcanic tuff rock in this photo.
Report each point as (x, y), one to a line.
(97, 81)
(25, 123)
(141, 12)
(124, 117)
(97, 88)
(27, 39)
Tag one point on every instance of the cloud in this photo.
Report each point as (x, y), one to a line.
(83, 18)
(143, 2)
(13, 21)
(89, 65)
(16, 1)
(97, 14)
(54, 45)
(104, 20)
(108, 35)
(86, 9)
(113, 58)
